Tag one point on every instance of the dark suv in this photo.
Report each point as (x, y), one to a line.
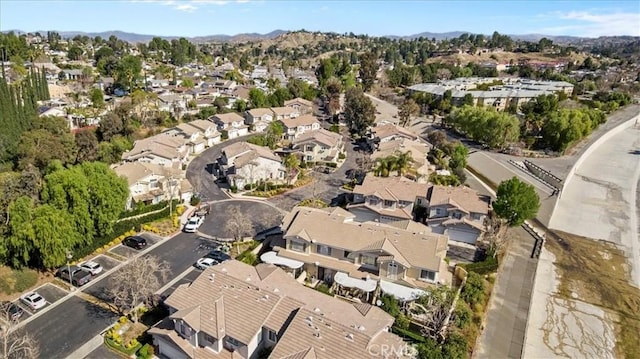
(218, 255)
(12, 311)
(136, 242)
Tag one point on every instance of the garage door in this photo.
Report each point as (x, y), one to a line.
(462, 236)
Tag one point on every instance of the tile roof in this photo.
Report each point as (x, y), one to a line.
(304, 120)
(390, 130)
(237, 300)
(418, 150)
(322, 136)
(421, 249)
(259, 112)
(312, 335)
(464, 197)
(282, 111)
(228, 117)
(163, 145)
(244, 152)
(135, 171)
(391, 188)
(298, 100)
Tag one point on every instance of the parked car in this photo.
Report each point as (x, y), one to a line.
(193, 224)
(34, 300)
(218, 255)
(136, 242)
(11, 310)
(75, 275)
(206, 262)
(92, 267)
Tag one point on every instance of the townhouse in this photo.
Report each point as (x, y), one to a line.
(199, 134)
(389, 132)
(319, 146)
(301, 105)
(230, 123)
(328, 245)
(387, 200)
(244, 163)
(457, 212)
(234, 310)
(150, 183)
(259, 118)
(294, 127)
(161, 149)
(284, 113)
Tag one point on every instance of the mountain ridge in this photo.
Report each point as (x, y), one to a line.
(137, 38)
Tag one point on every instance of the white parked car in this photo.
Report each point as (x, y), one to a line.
(34, 300)
(92, 267)
(204, 263)
(193, 224)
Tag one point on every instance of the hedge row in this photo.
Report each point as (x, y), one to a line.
(487, 266)
(408, 335)
(120, 228)
(146, 209)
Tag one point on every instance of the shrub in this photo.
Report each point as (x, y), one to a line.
(323, 288)
(248, 186)
(195, 200)
(18, 280)
(146, 352)
(402, 321)
(473, 290)
(233, 188)
(342, 156)
(248, 257)
(462, 315)
(141, 209)
(489, 265)
(123, 320)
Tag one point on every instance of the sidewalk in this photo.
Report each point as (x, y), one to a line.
(508, 308)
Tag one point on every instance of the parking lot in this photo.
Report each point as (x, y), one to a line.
(49, 292)
(107, 263)
(128, 252)
(190, 277)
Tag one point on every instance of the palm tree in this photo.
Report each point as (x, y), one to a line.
(403, 162)
(292, 164)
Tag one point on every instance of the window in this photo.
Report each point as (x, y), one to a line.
(427, 275)
(209, 338)
(273, 337)
(153, 183)
(346, 254)
(368, 260)
(232, 342)
(298, 246)
(324, 250)
(388, 203)
(309, 158)
(309, 148)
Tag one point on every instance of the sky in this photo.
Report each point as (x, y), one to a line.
(191, 18)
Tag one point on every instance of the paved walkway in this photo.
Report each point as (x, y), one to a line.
(506, 320)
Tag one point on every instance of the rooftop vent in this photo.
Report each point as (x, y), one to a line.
(212, 277)
(316, 309)
(349, 336)
(310, 318)
(276, 290)
(361, 328)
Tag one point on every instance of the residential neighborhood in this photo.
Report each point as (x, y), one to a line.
(312, 194)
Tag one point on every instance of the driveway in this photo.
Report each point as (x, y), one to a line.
(326, 187)
(200, 171)
(261, 214)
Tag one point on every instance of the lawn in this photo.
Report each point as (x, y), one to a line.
(16, 281)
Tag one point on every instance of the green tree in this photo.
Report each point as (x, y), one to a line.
(516, 201)
(55, 233)
(257, 98)
(109, 195)
(18, 247)
(74, 53)
(292, 164)
(368, 70)
(97, 98)
(127, 71)
(187, 82)
(359, 111)
(240, 105)
(87, 145)
(279, 96)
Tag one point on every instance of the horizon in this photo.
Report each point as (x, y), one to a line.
(199, 18)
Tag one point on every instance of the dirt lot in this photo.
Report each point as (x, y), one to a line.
(596, 272)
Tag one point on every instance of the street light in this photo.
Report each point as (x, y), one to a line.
(69, 257)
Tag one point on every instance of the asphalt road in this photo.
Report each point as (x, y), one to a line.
(64, 328)
(262, 216)
(200, 171)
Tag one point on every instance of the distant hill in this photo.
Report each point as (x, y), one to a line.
(136, 38)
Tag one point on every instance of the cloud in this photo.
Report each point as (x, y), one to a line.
(190, 5)
(594, 24)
